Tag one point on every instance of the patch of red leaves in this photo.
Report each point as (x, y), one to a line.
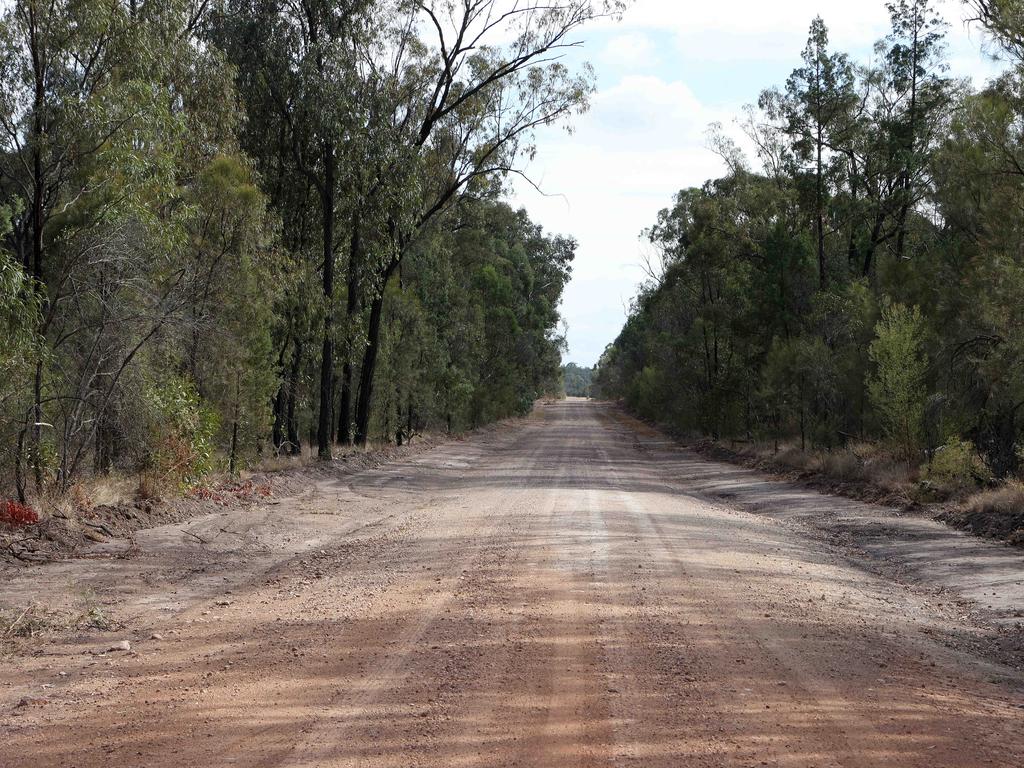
(12, 513)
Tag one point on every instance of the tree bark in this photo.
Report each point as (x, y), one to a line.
(294, 440)
(233, 457)
(820, 218)
(38, 221)
(327, 359)
(370, 358)
(19, 475)
(281, 399)
(852, 255)
(876, 236)
(351, 311)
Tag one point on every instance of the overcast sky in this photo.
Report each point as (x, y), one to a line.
(665, 72)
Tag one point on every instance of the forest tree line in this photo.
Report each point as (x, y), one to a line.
(577, 380)
(244, 228)
(865, 280)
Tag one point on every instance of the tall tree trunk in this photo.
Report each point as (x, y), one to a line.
(852, 255)
(233, 456)
(327, 359)
(281, 398)
(19, 475)
(104, 445)
(399, 429)
(37, 425)
(345, 407)
(351, 311)
(876, 236)
(820, 223)
(38, 220)
(334, 400)
(370, 358)
(280, 410)
(294, 440)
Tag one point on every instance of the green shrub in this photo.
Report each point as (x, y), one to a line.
(183, 430)
(897, 388)
(957, 467)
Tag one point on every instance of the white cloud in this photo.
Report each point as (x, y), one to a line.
(767, 26)
(641, 142)
(629, 50)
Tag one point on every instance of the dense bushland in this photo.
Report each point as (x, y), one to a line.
(246, 228)
(576, 380)
(863, 280)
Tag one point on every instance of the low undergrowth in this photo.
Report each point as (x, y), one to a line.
(861, 470)
(37, 620)
(996, 513)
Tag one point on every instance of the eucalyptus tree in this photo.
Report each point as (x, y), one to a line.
(466, 103)
(470, 333)
(300, 74)
(921, 349)
(919, 92)
(1004, 19)
(95, 101)
(818, 112)
(118, 163)
(19, 321)
(56, 79)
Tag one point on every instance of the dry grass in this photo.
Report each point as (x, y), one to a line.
(284, 463)
(859, 463)
(998, 512)
(87, 494)
(111, 490)
(36, 620)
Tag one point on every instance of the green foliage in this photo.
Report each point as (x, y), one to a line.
(19, 319)
(956, 467)
(471, 337)
(1004, 20)
(182, 431)
(576, 380)
(230, 352)
(20, 314)
(895, 183)
(897, 387)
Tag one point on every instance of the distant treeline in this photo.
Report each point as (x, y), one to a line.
(866, 278)
(246, 228)
(577, 380)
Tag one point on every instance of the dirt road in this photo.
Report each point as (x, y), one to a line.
(561, 594)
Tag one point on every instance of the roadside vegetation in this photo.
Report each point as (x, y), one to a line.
(848, 302)
(233, 231)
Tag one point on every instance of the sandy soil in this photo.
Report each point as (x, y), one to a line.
(575, 591)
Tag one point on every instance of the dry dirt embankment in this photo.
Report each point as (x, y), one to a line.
(984, 578)
(75, 526)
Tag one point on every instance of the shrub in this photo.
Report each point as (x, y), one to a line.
(844, 465)
(957, 467)
(14, 514)
(795, 458)
(897, 388)
(183, 428)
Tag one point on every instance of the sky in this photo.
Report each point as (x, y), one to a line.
(665, 72)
